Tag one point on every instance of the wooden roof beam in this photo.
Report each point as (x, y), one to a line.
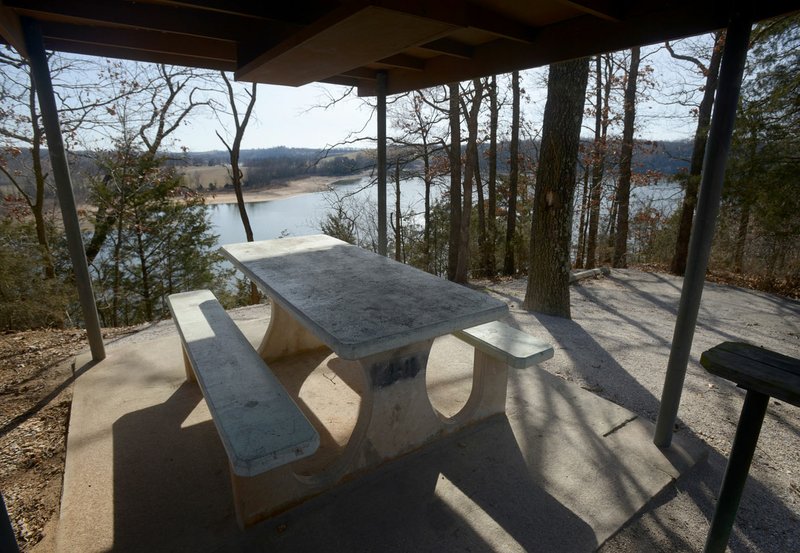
(137, 55)
(463, 14)
(284, 12)
(403, 61)
(449, 47)
(145, 16)
(604, 9)
(590, 37)
(11, 30)
(357, 34)
(146, 41)
(361, 73)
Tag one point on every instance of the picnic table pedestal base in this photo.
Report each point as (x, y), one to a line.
(395, 417)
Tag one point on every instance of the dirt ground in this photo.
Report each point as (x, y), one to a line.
(35, 395)
(616, 346)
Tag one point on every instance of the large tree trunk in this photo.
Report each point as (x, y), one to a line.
(678, 265)
(455, 182)
(626, 155)
(491, 221)
(551, 230)
(509, 266)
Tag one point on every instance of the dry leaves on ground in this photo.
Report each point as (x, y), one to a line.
(36, 377)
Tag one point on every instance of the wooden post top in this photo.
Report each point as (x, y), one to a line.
(755, 368)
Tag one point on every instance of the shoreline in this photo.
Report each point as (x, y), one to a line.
(281, 191)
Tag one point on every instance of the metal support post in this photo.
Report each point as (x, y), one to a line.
(66, 200)
(716, 156)
(381, 94)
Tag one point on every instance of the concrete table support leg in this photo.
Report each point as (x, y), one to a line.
(489, 389)
(285, 336)
(395, 417)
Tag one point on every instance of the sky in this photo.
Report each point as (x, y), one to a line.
(287, 116)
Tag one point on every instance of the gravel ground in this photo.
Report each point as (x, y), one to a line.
(617, 345)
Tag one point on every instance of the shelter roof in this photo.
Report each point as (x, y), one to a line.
(418, 43)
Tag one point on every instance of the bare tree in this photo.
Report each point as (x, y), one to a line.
(509, 267)
(602, 111)
(471, 112)
(233, 145)
(491, 219)
(162, 99)
(626, 156)
(711, 73)
(80, 108)
(454, 152)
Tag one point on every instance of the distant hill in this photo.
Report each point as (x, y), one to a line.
(264, 166)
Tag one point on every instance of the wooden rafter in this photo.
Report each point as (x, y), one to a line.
(449, 47)
(146, 41)
(11, 30)
(604, 9)
(144, 16)
(467, 15)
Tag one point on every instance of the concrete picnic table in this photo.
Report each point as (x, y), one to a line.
(384, 315)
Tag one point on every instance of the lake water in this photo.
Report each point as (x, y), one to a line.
(302, 215)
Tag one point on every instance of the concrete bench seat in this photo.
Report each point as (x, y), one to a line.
(498, 347)
(260, 426)
(505, 343)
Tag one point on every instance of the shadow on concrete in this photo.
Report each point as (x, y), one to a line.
(171, 482)
(704, 485)
(471, 491)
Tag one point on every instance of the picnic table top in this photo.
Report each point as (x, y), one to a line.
(356, 302)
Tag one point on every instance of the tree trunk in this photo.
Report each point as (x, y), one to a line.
(626, 155)
(455, 182)
(398, 221)
(551, 229)
(741, 238)
(678, 264)
(491, 221)
(426, 246)
(483, 243)
(598, 165)
(579, 254)
(37, 206)
(509, 265)
(462, 271)
(236, 174)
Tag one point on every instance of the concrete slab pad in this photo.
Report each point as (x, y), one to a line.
(563, 471)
